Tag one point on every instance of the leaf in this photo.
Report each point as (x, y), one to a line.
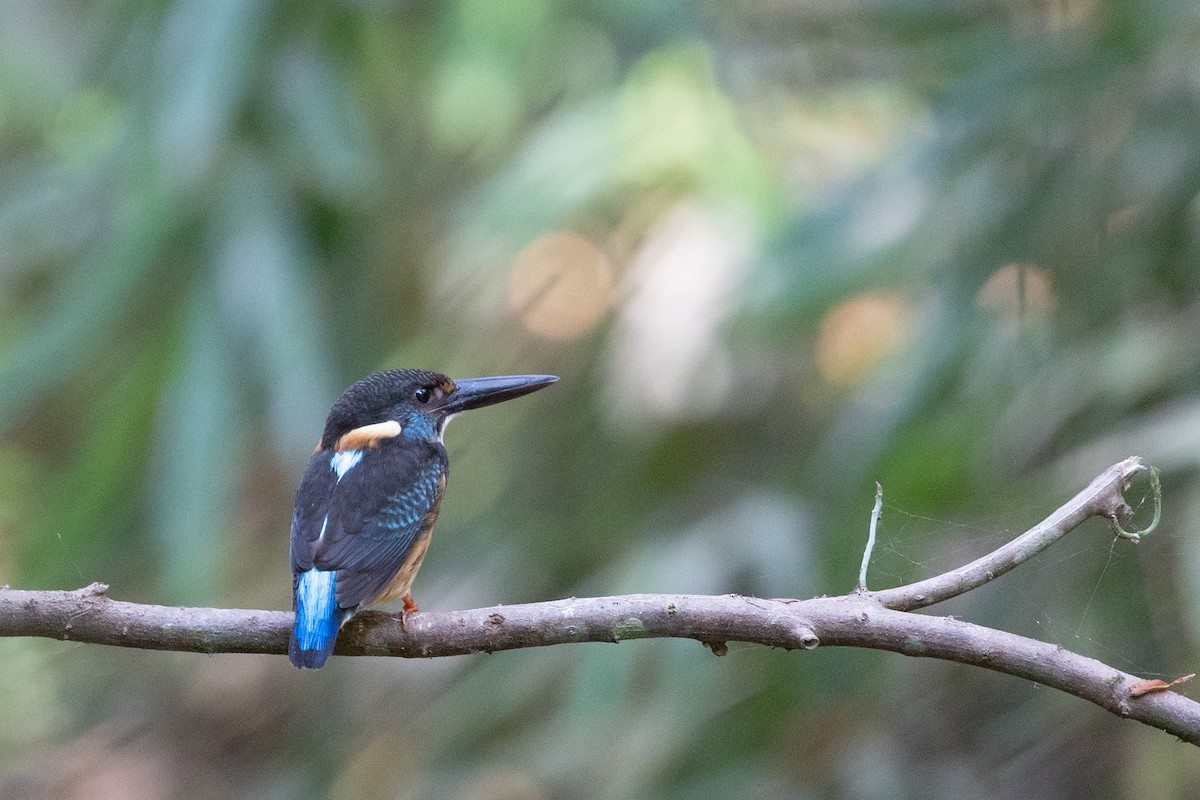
(1155, 685)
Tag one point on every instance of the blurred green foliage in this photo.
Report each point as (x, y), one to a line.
(775, 251)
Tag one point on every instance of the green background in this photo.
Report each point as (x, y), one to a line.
(776, 252)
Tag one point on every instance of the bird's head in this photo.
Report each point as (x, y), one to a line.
(417, 401)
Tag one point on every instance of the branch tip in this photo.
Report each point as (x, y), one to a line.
(808, 638)
(876, 513)
(1156, 491)
(717, 648)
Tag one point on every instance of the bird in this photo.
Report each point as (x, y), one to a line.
(368, 500)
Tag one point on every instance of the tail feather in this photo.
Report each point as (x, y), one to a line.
(318, 619)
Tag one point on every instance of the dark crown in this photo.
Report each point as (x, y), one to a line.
(369, 400)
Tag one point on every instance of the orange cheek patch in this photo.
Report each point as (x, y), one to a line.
(368, 436)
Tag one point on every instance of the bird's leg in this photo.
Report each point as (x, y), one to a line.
(410, 607)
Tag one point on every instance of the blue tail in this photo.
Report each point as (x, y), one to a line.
(318, 619)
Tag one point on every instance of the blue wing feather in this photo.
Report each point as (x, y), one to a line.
(356, 524)
(368, 549)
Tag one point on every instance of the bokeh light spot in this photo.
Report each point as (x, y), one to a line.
(1018, 291)
(560, 286)
(859, 333)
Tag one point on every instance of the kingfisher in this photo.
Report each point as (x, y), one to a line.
(367, 503)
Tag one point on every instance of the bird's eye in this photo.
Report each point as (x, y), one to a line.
(423, 395)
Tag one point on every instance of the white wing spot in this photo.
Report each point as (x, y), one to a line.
(344, 461)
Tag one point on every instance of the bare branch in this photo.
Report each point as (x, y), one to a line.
(1102, 498)
(878, 620)
(87, 615)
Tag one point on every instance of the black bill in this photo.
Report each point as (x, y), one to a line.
(479, 392)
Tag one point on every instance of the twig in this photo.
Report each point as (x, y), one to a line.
(1101, 498)
(866, 559)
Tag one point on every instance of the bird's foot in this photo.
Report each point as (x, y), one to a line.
(410, 608)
